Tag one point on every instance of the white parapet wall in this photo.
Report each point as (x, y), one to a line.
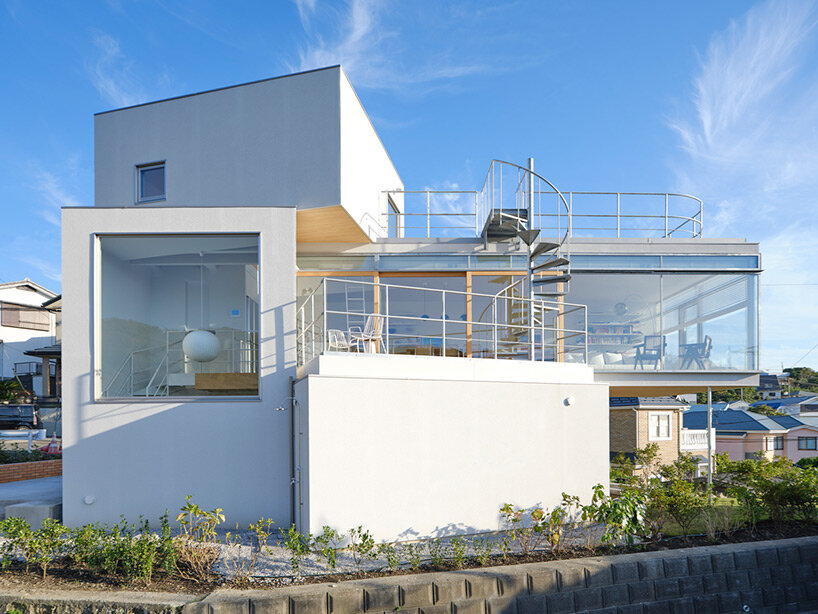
(414, 446)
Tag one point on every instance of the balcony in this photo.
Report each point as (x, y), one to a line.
(695, 440)
(375, 318)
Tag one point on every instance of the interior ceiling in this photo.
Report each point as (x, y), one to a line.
(183, 250)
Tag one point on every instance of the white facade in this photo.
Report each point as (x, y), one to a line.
(18, 339)
(414, 446)
(142, 456)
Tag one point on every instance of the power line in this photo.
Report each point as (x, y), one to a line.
(807, 354)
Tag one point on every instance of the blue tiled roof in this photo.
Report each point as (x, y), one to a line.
(738, 420)
(776, 403)
(730, 420)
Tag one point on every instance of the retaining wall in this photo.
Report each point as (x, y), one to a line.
(773, 576)
(15, 472)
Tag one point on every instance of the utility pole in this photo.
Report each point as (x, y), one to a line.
(709, 446)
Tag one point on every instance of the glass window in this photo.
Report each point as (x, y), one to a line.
(421, 318)
(710, 262)
(335, 263)
(24, 316)
(151, 182)
(659, 426)
(603, 261)
(426, 262)
(624, 328)
(774, 443)
(806, 443)
(179, 315)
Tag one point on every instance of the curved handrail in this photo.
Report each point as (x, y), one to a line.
(562, 198)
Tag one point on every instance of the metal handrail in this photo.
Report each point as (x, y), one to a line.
(490, 198)
(312, 321)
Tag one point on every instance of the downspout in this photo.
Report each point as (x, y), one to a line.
(292, 451)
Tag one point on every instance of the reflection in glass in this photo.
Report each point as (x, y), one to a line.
(157, 290)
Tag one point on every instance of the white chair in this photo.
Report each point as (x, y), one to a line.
(337, 340)
(370, 339)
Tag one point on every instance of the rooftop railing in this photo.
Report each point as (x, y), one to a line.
(510, 187)
(397, 319)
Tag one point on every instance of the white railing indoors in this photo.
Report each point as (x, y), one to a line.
(434, 322)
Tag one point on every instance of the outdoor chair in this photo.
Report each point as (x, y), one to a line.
(696, 352)
(370, 339)
(650, 350)
(337, 340)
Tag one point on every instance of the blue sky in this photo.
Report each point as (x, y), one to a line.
(716, 99)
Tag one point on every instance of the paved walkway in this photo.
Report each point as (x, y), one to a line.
(48, 490)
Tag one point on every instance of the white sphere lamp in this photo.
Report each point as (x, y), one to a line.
(201, 345)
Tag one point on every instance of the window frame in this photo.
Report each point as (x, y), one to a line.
(802, 443)
(96, 318)
(660, 415)
(140, 168)
(773, 443)
(11, 306)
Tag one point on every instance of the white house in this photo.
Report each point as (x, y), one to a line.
(257, 313)
(24, 326)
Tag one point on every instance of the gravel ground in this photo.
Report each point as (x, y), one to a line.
(274, 562)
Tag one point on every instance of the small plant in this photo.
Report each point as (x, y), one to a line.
(482, 550)
(18, 536)
(414, 555)
(438, 549)
(299, 546)
(391, 553)
(327, 545)
(528, 528)
(361, 546)
(195, 547)
(458, 547)
(505, 545)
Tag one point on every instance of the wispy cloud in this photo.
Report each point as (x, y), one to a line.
(305, 9)
(749, 147)
(369, 48)
(112, 74)
(54, 196)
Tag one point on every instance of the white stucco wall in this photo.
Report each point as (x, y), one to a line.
(274, 142)
(143, 456)
(410, 456)
(366, 170)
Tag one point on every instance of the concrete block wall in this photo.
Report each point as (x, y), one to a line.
(761, 577)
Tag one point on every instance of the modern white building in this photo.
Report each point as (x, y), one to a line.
(258, 313)
(24, 325)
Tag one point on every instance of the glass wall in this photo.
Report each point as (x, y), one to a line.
(179, 315)
(671, 321)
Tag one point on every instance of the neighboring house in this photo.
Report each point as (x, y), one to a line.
(743, 434)
(264, 318)
(24, 325)
(804, 404)
(637, 422)
(769, 387)
(50, 356)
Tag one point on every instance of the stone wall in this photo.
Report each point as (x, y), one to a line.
(772, 576)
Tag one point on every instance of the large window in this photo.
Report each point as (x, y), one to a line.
(670, 321)
(179, 315)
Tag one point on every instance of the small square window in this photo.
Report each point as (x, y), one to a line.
(150, 182)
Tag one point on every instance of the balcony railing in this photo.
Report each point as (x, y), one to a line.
(696, 439)
(509, 187)
(366, 317)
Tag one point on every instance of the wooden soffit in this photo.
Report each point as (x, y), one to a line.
(327, 225)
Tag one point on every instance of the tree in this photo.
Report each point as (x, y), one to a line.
(729, 396)
(766, 410)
